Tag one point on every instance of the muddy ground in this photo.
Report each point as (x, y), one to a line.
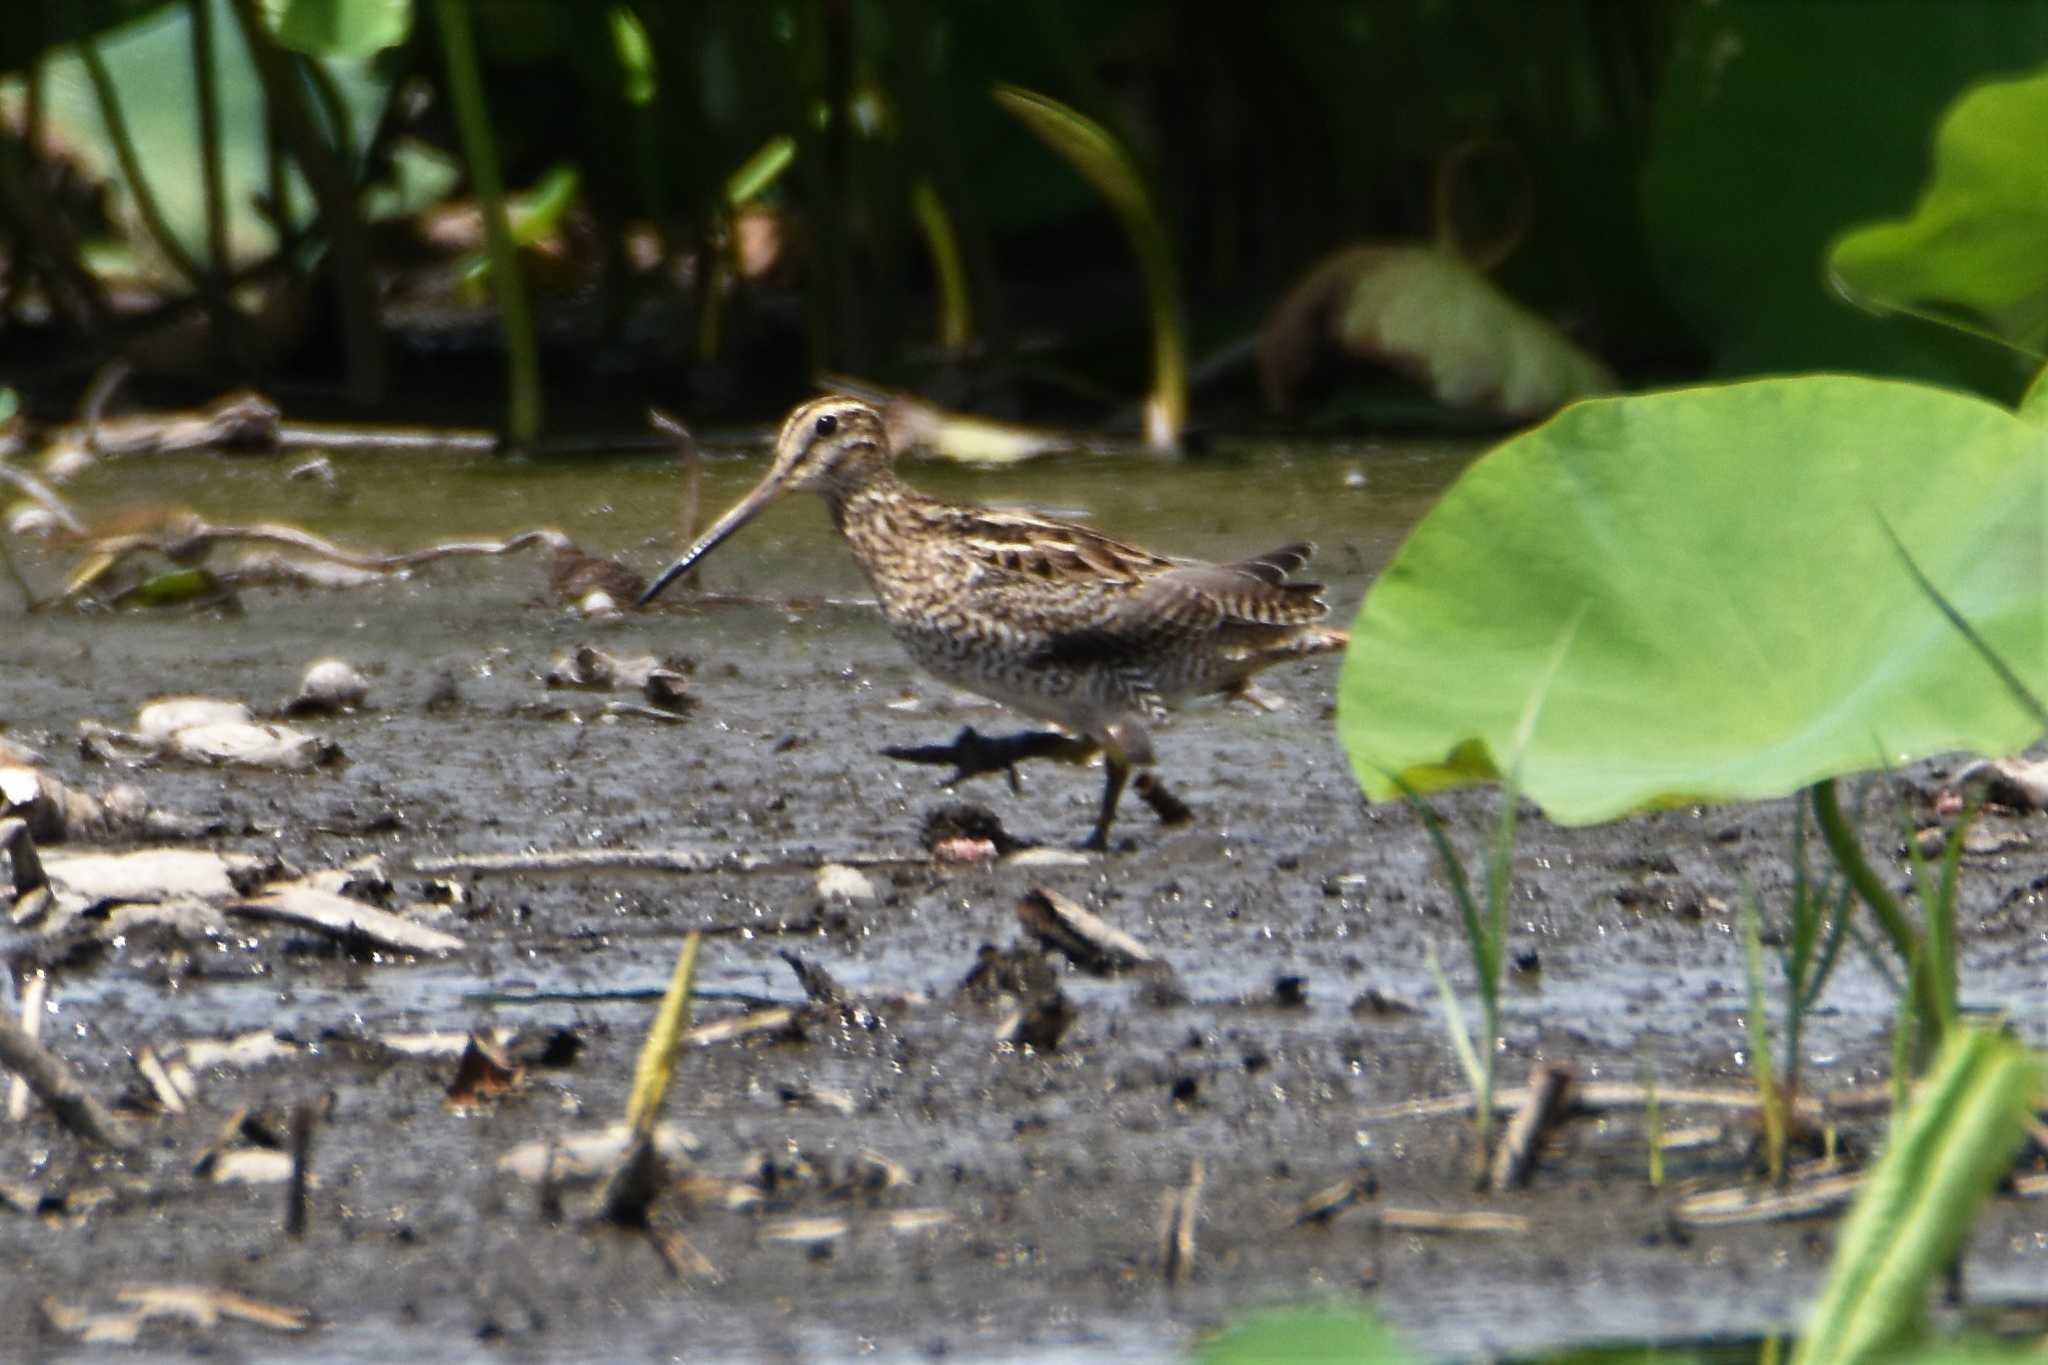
(1049, 1167)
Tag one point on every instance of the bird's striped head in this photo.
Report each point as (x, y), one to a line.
(831, 444)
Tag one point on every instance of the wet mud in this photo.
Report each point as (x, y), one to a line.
(1018, 1205)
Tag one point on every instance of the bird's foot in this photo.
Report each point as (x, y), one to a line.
(973, 754)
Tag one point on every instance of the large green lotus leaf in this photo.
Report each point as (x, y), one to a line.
(338, 28)
(1421, 310)
(1740, 624)
(1972, 253)
(150, 60)
(2034, 402)
(1779, 124)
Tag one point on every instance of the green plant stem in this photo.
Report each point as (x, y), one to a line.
(334, 193)
(213, 178)
(480, 151)
(131, 165)
(956, 315)
(1891, 916)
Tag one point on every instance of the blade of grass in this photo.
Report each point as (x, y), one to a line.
(1919, 1201)
(1653, 1121)
(664, 1041)
(1891, 917)
(1090, 149)
(1461, 1043)
(1770, 1099)
(480, 154)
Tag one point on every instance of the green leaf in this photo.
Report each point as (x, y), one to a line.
(1091, 150)
(635, 53)
(1971, 254)
(1749, 627)
(530, 218)
(1421, 310)
(171, 588)
(2034, 403)
(10, 403)
(150, 61)
(1918, 1204)
(1310, 1336)
(1818, 110)
(338, 28)
(760, 170)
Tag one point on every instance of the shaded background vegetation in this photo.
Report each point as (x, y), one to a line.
(722, 200)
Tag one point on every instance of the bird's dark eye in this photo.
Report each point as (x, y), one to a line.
(828, 424)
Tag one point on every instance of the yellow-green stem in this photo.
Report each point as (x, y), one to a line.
(480, 151)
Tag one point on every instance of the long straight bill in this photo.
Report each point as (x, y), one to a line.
(765, 492)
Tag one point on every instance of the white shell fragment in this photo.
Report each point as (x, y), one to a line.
(158, 721)
(590, 1155)
(148, 874)
(211, 731)
(302, 903)
(329, 685)
(253, 746)
(1084, 938)
(845, 883)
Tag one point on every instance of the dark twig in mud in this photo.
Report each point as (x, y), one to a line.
(1547, 1102)
(304, 1115)
(20, 847)
(55, 1085)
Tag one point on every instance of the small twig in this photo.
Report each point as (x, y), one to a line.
(92, 405)
(1547, 1102)
(56, 1086)
(1597, 1099)
(44, 495)
(304, 1114)
(1181, 1209)
(34, 992)
(1436, 1220)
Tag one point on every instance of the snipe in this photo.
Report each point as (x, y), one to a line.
(1052, 619)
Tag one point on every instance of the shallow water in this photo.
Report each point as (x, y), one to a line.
(1050, 1165)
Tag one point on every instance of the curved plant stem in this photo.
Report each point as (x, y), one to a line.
(473, 122)
(956, 308)
(1891, 916)
(1093, 151)
(131, 165)
(333, 191)
(206, 87)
